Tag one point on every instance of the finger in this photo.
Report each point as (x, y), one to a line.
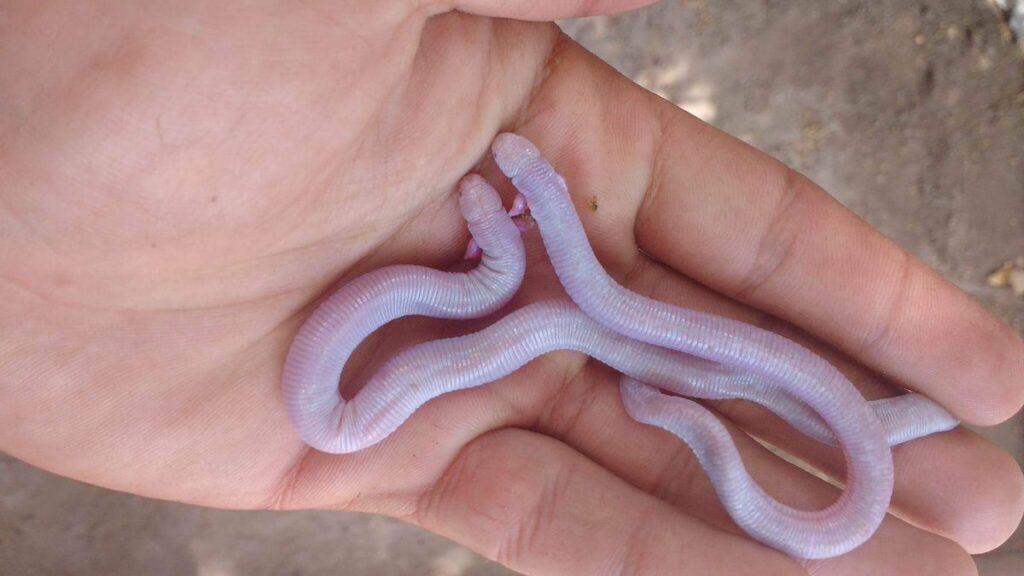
(987, 480)
(738, 221)
(544, 10)
(926, 470)
(660, 464)
(538, 507)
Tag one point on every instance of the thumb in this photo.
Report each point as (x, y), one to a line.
(545, 10)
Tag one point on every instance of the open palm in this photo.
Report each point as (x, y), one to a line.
(181, 181)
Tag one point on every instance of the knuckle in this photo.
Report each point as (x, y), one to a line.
(679, 477)
(570, 403)
(881, 324)
(636, 550)
(779, 236)
(507, 505)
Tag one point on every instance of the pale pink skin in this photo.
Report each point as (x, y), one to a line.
(655, 346)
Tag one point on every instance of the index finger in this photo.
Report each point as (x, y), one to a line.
(644, 173)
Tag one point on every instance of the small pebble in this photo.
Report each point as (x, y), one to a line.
(1017, 282)
(1009, 275)
(1000, 278)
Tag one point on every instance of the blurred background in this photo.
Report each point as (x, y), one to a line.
(910, 112)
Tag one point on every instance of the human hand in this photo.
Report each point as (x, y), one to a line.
(180, 183)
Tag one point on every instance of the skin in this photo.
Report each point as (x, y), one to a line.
(181, 182)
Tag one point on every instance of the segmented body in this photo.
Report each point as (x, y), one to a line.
(653, 344)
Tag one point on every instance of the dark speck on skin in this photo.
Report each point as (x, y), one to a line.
(592, 203)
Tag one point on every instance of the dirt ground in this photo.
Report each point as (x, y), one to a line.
(909, 112)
